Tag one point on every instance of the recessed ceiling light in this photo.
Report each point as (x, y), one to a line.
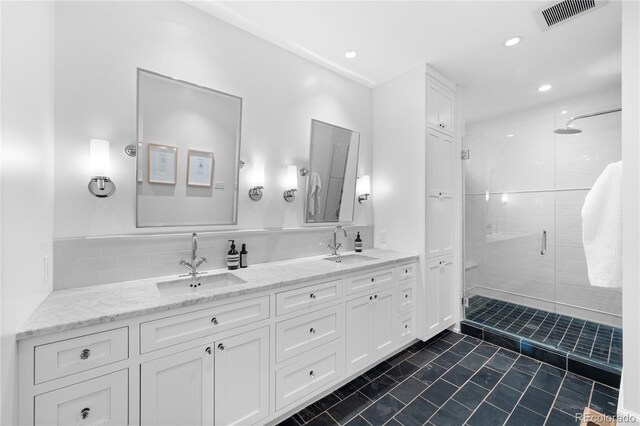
(564, 111)
(513, 41)
(544, 88)
(510, 135)
(350, 54)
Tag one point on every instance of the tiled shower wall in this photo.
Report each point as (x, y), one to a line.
(80, 262)
(546, 178)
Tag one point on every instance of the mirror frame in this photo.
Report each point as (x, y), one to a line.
(306, 198)
(234, 221)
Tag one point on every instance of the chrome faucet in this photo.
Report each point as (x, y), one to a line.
(195, 261)
(336, 245)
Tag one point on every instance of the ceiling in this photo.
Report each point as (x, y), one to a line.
(464, 40)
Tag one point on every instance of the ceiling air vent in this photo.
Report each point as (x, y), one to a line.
(557, 13)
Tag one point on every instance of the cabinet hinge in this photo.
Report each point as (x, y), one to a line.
(465, 154)
(465, 302)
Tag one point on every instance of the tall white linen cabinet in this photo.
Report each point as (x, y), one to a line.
(417, 187)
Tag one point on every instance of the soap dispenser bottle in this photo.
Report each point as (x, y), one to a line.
(233, 257)
(358, 244)
(243, 256)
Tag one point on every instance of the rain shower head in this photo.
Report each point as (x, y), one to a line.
(567, 131)
(568, 128)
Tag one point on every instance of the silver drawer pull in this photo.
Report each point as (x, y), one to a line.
(85, 354)
(312, 374)
(214, 321)
(373, 279)
(406, 296)
(84, 414)
(221, 347)
(208, 350)
(312, 296)
(406, 326)
(312, 330)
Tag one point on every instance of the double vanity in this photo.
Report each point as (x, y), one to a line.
(244, 347)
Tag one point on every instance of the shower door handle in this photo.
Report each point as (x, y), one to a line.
(543, 242)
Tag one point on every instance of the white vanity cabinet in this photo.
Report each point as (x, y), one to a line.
(227, 380)
(244, 360)
(370, 327)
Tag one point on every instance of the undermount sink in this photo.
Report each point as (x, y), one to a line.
(349, 259)
(197, 284)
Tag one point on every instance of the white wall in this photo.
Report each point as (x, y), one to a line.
(99, 45)
(503, 239)
(26, 208)
(630, 390)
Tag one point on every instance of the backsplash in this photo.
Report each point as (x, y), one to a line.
(80, 262)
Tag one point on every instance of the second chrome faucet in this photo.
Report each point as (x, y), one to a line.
(336, 245)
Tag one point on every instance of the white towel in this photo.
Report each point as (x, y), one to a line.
(316, 186)
(602, 228)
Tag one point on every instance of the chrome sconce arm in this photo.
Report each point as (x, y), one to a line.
(289, 195)
(255, 193)
(101, 186)
(362, 198)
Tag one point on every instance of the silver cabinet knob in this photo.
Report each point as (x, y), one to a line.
(375, 297)
(406, 296)
(312, 374)
(85, 354)
(208, 350)
(214, 321)
(373, 279)
(312, 330)
(312, 296)
(221, 347)
(406, 326)
(406, 271)
(370, 297)
(84, 414)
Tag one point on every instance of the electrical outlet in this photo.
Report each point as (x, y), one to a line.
(383, 237)
(218, 184)
(46, 268)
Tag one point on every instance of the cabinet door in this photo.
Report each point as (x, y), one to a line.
(432, 297)
(433, 195)
(358, 320)
(449, 300)
(385, 310)
(446, 110)
(178, 389)
(242, 378)
(433, 103)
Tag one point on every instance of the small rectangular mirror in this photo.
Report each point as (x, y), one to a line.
(331, 182)
(188, 153)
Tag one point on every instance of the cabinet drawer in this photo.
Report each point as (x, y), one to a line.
(367, 282)
(181, 328)
(407, 294)
(307, 297)
(298, 380)
(59, 359)
(407, 272)
(99, 401)
(306, 332)
(407, 324)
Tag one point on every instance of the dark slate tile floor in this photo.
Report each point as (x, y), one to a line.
(459, 380)
(595, 342)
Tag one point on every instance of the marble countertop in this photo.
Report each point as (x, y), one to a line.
(85, 306)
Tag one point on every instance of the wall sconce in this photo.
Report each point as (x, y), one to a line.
(292, 184)
(255, 193)
(363, 188)
(100, 184)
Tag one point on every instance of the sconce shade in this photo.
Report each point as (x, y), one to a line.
(364, 185)
(292, 177)
(99, 157)
(505, 198)
(258, 174)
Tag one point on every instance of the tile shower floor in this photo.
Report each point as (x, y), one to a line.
(459, 380)
(593, 341)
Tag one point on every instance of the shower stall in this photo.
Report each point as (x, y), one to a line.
(525, 271)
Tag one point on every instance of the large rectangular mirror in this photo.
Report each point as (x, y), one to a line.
(331, 182)
(188, 153)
